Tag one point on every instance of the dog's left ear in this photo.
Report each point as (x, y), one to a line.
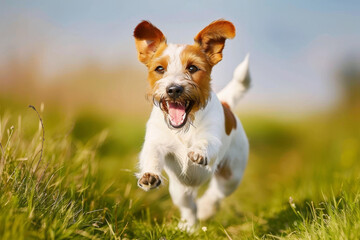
(212, 39)
(148, 38)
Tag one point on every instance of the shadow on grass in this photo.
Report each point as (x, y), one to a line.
(306, 213)
(284, 221)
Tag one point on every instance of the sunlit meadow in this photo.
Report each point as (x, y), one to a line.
(70, 137)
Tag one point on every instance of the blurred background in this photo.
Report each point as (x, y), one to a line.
(81, 54)
(79, 59)
(302, 113)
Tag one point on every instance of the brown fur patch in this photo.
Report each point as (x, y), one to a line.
(224, 171)
(230, 120)
(157, 60)
(192, 55)
(212, 39)
(147, 40)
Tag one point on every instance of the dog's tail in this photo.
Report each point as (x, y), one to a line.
(240, 83)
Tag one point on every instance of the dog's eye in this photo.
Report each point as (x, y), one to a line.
(192, 69)
(160, 69)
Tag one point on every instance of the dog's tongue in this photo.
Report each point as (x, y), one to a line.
(176, 112)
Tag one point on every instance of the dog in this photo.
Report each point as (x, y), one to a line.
(192, 133)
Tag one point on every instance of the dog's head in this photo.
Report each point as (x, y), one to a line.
(179, 75)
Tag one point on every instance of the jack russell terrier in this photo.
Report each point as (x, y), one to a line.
(192, 133)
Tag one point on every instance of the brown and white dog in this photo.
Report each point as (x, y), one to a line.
(200, 138)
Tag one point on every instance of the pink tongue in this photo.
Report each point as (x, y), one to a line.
(176, 112)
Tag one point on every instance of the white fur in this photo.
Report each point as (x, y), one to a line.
(167, 149)
(174, 73)
(238, 85)
(174, 64)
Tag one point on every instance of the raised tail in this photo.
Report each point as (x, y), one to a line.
(233, 92)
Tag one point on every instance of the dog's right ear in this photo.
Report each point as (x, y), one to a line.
(148, 38)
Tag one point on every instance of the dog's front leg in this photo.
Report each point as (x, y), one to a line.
(205, 149)
(151, 164)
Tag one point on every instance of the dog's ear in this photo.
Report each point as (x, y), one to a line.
(212, 39)
(147, 40)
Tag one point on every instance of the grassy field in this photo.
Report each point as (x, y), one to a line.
(77, 180)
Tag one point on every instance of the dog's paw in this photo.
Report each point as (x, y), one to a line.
(198, 158)
(149, 181)
(185, 226)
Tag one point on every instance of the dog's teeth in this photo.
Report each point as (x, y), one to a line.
(183, 117)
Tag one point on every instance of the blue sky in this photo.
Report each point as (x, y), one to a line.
(294, 46)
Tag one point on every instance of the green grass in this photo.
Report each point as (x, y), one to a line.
(302, 181)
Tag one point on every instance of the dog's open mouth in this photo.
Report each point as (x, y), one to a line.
(177, 112)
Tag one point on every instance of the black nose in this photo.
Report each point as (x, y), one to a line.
(174, 91)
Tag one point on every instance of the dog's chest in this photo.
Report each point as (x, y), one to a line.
(177, 162)
(187, 172)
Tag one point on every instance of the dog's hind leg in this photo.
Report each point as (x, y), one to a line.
(227, 175)
(223, 183)
(184, 198)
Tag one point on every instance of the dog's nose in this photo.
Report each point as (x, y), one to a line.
(174, 91)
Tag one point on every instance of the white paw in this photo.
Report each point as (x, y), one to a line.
(185, 226)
